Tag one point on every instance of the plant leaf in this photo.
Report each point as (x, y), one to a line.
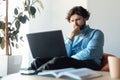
(3, 44)
(17, 46)
(32, 11)
(15, 11)
(25, 16)
(27, 2)
(11, 37)
(12, 44)
(16, 38)
(1, 40)
(40, 3)
(21, 38)
(17, 24)
(2, 25)
(22, 19)
(15, 32)
(26, 5)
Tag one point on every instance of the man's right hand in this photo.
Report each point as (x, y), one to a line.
(75, 32)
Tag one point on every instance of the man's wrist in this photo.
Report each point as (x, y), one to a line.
(71, 37)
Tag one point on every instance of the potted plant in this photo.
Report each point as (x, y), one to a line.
(10, 30)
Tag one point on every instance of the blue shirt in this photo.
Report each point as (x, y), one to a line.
(86, 46)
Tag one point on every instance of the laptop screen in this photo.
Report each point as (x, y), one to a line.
(47, 44)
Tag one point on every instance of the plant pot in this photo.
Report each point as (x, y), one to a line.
(14, 63)
(3, 65)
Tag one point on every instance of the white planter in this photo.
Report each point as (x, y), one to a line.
(10, 64)
(14, 63)
(3, 65)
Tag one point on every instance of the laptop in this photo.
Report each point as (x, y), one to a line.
(47, 44)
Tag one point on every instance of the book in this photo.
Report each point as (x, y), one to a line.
(71, 73)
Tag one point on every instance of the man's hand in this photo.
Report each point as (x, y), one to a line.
(75, 32)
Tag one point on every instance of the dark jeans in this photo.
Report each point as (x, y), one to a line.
(62, 62)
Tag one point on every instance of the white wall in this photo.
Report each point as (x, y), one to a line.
(105, 15)
(53, 15)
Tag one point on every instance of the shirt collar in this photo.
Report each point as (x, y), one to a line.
(85, 29)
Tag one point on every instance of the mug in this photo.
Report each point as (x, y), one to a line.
(114, 67)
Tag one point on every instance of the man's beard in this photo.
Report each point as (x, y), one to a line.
(82, 26)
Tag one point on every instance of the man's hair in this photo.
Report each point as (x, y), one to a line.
(78, 10)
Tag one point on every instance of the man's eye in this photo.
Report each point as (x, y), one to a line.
(71, 20)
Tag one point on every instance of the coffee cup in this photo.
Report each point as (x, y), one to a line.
(114, 67)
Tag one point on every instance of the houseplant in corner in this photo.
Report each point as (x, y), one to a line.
(10, 29)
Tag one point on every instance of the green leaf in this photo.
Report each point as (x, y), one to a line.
(17, 24)
(1, 40)
(32, 11)
(21, 38)
(12, 44)
(9, 23)
(17, 46)
(26, 17)
(22, 19)
(11, 37)
(2, 25)
(3, 44)
(26, 5)
(16, 38)
(40, 3)
(15, 32)
(27, 2)
(15, 11)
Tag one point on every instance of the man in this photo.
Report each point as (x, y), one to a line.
(84, 45)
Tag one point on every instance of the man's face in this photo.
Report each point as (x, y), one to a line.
(77, 21)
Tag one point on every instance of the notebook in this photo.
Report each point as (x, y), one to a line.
(47, 44)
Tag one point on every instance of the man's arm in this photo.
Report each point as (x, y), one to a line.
(68, 45)
(94, 48)
(69, 40)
